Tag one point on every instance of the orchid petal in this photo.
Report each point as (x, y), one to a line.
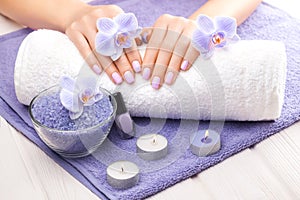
(117, 55)
(90, 102)
(136, 32)
(67, 83)
(235, 38)
(98, 96)
(105, 44)
(69, 100)
(76, 115)
(88, 83)
(86, 94)
(126, 21)
(227, 25)
(201, 41)
(208, 54)
(107, 26)
(222, 44)
(127, 44)
(205, 24)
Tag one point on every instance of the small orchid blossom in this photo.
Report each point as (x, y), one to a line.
(116, 34)
(212, 34)
(74, 95)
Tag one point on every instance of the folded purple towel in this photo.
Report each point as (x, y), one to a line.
(266, 23)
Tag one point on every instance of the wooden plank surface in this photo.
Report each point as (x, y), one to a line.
(270, 170)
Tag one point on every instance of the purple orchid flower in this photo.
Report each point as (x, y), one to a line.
(116, 34)
(212, 34)
(74, 95)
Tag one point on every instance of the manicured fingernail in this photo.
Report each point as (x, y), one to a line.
(146, 73)
(155, 82)
(129, 77)
(138, 40)
(136, 66)
(97, 69)
(145, 37)
(169, 78)
(184, 65)
(117, 78)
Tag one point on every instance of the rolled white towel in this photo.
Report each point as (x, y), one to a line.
(245, 81)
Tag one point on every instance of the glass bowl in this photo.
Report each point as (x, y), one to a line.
(73, 143)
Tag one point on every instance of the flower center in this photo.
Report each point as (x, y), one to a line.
(85, 98)
(122, 38)
(218, 38)
(86, 95)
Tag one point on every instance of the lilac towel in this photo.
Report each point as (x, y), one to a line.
(266, 23)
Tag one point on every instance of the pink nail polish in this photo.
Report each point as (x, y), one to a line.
(123, 119)
(184, 65)
(169, 78)
(117, 78)
(155, 82)
(144, 37)
(146, 73)
(97, 69)
(136, 66)
(129, 77)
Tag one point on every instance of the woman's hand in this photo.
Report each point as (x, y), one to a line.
(169, 50)
(82, 31)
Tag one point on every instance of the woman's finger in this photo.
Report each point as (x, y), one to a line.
(124, 68)
(157, 37)
(110, 68)
(176, 59)
(165, 52)
(151, 53)
(191, 53)
(190, 56)
(134, 57)
(85, 50)
(183, 57)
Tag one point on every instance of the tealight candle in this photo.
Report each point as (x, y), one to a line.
(204, 143)
(122, 174)
(152, 147)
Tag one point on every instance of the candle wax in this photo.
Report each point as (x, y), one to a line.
(122, 174)
(152, 146)
(204, 146)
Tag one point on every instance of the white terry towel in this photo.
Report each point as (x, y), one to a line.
(244, 82)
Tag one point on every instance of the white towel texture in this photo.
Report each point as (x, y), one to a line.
(245, 81)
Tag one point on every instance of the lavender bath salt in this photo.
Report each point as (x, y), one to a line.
(49, 111)
(72, 137)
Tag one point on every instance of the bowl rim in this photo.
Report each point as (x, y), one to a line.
(113, 114)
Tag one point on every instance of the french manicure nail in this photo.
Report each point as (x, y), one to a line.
(155, 82)
(136, 66)
(97, 69)
(146, 73)
(169, 78)
(129, 77)
(117, 78)
(184, 65)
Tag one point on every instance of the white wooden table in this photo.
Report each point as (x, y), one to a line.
(270, 170)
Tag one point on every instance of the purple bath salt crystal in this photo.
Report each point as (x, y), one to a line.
(49, 111)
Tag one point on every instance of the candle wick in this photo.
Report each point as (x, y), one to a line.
(154, 139)
(206, 135)
(122, 169)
